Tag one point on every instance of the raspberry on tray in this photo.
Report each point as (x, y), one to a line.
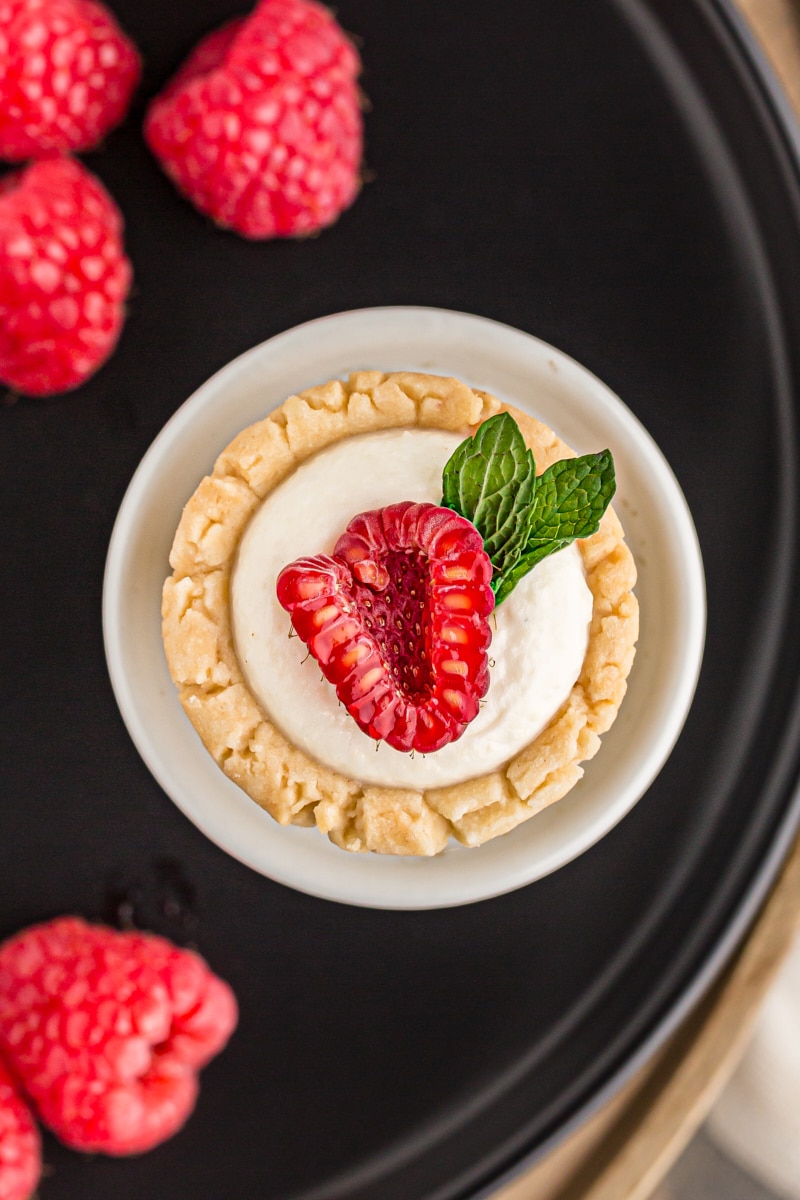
(106, 1031)
(68, 76)
(64, 276)
(261, 126)
(20, 1152)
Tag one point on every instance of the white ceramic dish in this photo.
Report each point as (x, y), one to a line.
(523, 371)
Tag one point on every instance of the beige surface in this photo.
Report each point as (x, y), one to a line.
(777, 26)
(242, 738)
(626, 1150)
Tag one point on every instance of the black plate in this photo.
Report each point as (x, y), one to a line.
(616, 178)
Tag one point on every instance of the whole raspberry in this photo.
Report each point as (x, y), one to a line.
(261, 127)
(67, 73)
(63, 276)
(20, 1153)
(107, 1030)
(397, 620)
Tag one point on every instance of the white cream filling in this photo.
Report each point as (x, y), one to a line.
(540, 632)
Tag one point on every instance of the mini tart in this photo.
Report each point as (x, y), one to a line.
(293, 787)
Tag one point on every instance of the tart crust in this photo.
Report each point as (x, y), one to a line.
(252, 751)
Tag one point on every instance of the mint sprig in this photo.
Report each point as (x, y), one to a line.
(491, 480)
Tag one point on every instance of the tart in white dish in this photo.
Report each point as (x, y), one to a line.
(561, 649)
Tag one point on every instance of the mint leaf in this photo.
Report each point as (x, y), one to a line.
(491, 480)
(571, 497)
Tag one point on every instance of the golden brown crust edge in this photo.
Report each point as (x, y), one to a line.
(291, 786)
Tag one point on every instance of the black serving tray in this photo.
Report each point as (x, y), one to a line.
(621, 179)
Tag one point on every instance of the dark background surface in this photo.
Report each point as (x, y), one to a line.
(551, 164)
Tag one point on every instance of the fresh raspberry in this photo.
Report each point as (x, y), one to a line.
(20, 1152)
(397, 620)
(106, 1031)
(67, 73)
(261, 126)
(63, 276)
